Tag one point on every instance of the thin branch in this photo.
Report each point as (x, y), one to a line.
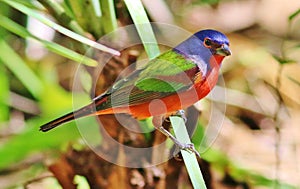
(278, 126)
(27, 183)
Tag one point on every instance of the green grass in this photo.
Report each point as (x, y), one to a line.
(20, 69)
(79, 22)
(60, 29)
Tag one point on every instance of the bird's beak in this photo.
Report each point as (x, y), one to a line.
(224, 50)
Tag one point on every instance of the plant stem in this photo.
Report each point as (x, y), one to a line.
(109, 20)
(278, 126)
(60, 14)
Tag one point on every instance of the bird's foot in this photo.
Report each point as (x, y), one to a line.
(186, 147)
(181, 113)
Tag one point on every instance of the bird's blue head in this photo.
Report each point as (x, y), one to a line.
(215, 41)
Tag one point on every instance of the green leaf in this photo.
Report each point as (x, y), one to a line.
(87, 14)
(54, 47)
(62, 15)
(109, 20)
(13, 27)
(18, 147)
(211, 2)
(190, 159)
(293, 15)
(16, 64)
(5, 10)
(57, 27)
(4, 94)
(61, 50)
(27, 3)
(147, 127)
(55, 102)
(97, 9)
(141, 21)
(281, 60)
(81, 182)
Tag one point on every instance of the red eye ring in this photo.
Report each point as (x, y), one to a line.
(207, 42)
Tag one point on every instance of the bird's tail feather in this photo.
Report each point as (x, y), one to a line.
(82, 112)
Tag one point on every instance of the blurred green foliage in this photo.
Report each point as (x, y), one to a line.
(39, 83)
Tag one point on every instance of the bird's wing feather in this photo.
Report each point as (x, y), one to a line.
(167, 74)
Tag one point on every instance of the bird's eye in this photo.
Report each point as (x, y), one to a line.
(207, 42)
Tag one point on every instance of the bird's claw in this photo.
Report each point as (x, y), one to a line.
(181, 113)
(188, 148)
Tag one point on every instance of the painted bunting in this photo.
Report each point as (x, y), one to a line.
(172, 81)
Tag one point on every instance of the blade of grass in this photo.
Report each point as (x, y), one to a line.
(141, 21)
(16, 64)
(96, 5)
(54, 47)
(92, 19)
(85, 14)
(77, 9)
(60, 14)
(190, 159)
(4, 94)
(57, 27)
(4, 85)
(4, 10)
(109, 20)
(294, 14)
(61, 50)
(28, 3)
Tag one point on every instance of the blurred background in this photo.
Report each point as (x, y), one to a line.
(258, 144)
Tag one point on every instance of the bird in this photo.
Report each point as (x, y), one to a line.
(174, 80)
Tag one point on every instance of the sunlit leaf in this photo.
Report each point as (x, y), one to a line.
(86, 14)
(21, 70)
(281, 60)
(292, 16)
(108, 16)
(211, 2)
(141, 21)
(57, 27)
(54, 47)
(190, 159)
(81, 182)
(4, 94)
(62, 14)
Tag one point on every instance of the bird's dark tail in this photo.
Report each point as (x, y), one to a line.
(82, 112)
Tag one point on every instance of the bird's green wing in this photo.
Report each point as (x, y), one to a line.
(167, 74)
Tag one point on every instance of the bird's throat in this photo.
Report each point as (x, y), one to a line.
(216, 59)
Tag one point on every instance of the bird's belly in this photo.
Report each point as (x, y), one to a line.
(172, 103)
